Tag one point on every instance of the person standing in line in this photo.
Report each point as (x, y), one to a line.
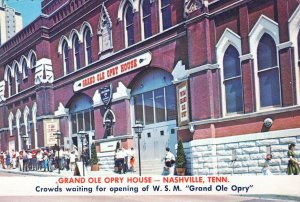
(119, 160)
(169, 161)
(21, 160)
(13, 159)
(34, 159)
(67, 159)
(62, 158)
(51, 160)
(2, 159)
(266, 166)
(125, 161)
(72, 160)
(46, 161)
(39, 157)
(17, 159)
(132, 159)
(7, 159)
(293, 165)
(25, 161)
(29, 155)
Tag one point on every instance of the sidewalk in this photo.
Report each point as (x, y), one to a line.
(65, 173)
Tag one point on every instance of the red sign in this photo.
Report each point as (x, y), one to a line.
(111, 72)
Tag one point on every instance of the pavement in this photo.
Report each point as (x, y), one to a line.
(101, 172)
(65, 173)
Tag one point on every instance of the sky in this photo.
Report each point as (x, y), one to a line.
(30, 9)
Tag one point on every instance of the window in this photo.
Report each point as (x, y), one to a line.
(268, 72)
(138, 106)
(66, 58)
(166, 14)
(129, 25)
(146, 8)
(156, 106)
(10, 84)
(33, 61)
(25, 69)
(299, 47)
(18, 80)
(232, 81)
(82, 120)
(159, 96)
(171, 103)
(10, 123)
(88, 46)
(148, 104)
(76, 49)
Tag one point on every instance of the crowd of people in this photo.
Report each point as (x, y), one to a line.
(42, 159)
(124, 160)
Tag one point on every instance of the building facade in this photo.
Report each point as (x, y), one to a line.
(10, 22)
(221, 75)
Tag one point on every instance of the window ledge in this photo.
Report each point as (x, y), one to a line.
(270, 111)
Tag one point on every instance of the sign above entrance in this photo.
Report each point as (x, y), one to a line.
(106, 94)
(182, 103)
(114, 71)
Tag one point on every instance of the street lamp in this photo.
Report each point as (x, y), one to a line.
(25, 137)
(138, 129)
(82, 136)
(58, 135)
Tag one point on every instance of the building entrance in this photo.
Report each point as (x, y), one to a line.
(154, 104)
(155, 140)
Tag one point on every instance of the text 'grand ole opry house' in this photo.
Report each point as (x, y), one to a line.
(223, 75)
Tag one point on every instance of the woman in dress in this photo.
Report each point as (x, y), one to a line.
(293, 165)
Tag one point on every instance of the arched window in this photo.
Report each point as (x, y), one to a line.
(66, 59)
(81, 115)
(10, 123)
(129, 25)
(10, 83)
(76, 49)
(299, 47)
(155, 102)
(18, 79)
(232, 81)
(166, 14)
(32, 61)
(146, 19)
(88, 46)
(25, 69)
(268, 72)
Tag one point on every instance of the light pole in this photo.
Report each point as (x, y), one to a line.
(24, 137)
(58, 135)
(82, 136)
(138, 129)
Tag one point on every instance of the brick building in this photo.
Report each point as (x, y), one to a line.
(221, 75)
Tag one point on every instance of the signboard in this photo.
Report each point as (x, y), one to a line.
(108, 146)
(50, 127)
(114, 71)
(183, 103)
(106, 94)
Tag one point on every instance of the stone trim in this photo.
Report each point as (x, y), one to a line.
(245, 138)
(117, 138)
(248, 56)
(245, 116)
(284, 45)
